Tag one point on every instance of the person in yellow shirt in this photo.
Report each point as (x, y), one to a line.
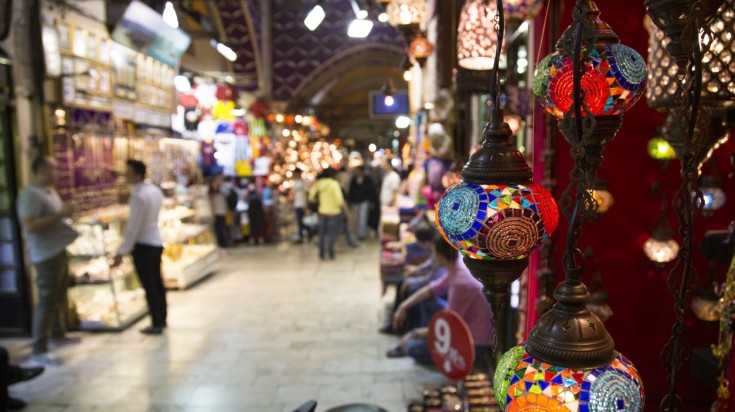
(327, 193)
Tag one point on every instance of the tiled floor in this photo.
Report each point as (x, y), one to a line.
(273, 328)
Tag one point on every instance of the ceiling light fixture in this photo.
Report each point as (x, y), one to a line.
(360, 27)
(224, 50)
(314, 18)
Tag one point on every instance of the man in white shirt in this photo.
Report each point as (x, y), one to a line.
(143, 241)
(390, 185)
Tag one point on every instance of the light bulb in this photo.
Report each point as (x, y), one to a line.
(389, 100)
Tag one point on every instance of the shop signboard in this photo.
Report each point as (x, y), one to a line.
(141, 28)
(451, 345)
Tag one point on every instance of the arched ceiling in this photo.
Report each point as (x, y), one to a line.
(323, 70)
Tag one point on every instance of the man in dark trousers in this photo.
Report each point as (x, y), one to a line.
(362, 193)
(143, 241)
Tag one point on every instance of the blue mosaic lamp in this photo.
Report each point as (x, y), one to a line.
(496, 215)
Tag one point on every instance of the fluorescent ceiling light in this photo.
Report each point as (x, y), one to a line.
(314, 18)
(359, 28)
(227, 52)
(169, 15)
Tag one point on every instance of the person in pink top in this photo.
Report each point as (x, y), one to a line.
(464, 297)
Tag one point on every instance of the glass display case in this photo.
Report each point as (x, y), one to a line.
(112, 298)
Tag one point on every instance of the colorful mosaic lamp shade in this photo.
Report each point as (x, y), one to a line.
(713, 196)
(614, 80)
(529, 384)
(496, 215)
(660, 149)
(521, 9)
(496, 222)
(477, 40)
(420, 49)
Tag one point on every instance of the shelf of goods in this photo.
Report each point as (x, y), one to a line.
(112, 298)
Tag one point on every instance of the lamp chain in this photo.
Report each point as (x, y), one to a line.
(576, 202)
(682, 279)
(494, 80)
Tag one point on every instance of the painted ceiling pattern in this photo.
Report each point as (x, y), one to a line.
(298, 52)
(241, 35)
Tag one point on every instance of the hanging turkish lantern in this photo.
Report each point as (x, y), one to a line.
(477, 39)
(496, 216)
(420, 49)
(569, 361)
(614, 80)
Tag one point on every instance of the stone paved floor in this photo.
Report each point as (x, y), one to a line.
(273, 328)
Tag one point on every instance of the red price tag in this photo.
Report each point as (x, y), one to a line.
(451, 345)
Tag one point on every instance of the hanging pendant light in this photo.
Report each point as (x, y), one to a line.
(718, 63)
(661, 248)
(713, 197)
(477, 40)
(496, 216)
(420, 49)
(569, 361)
(614, 80)
(406, 12)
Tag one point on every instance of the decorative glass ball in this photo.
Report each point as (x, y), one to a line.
(523, 383)
(614, 80)
(660, 149)
(714, 198)
(661, 250)
(496, 222)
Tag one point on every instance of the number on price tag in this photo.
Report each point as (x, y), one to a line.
(451, 345)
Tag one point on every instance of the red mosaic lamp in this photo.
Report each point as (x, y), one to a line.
(613, 81)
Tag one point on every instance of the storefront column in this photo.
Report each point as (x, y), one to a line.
(24, 45)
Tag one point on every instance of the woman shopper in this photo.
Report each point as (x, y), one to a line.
(327, 193)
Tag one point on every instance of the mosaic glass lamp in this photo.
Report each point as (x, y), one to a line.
(660, 149)
(614, 80)
(477, 40)
(521, 9)
(661, 248)
(530, 384)
(712, 194)
(496, 215)
(569, 362)
(420, 49)
(602, 197)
